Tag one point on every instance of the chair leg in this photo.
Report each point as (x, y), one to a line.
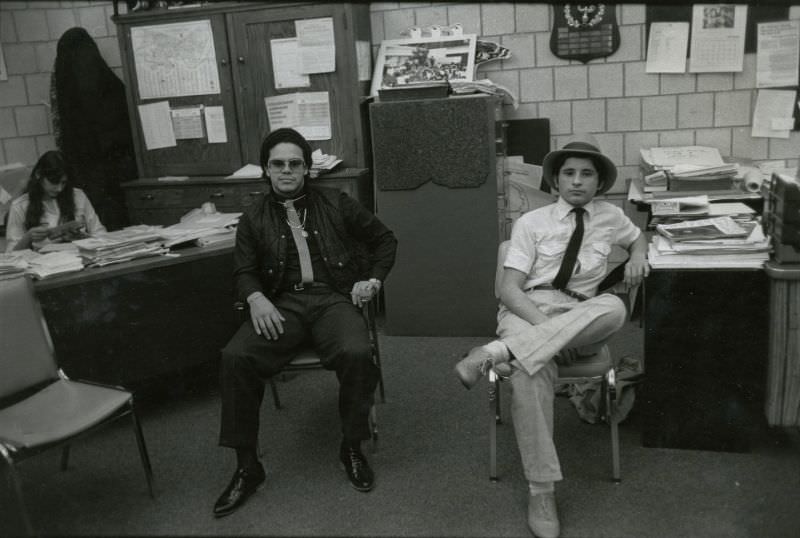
(65, 457)
(148, 470)
(373, 428)
(611, 416)
(14, 479)
(494, 420)
(275, 399)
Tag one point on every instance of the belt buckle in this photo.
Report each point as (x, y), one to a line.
(299, 286)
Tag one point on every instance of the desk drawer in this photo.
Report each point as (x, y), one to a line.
(228, 198)
(155, 198)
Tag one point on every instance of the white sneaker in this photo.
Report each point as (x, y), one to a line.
(543, 516)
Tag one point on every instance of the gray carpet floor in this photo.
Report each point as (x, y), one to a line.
(431, 467)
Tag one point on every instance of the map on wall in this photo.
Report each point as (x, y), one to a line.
(174, 60)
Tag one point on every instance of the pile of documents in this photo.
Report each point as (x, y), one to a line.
(202, 228)
(713, 242)
(13, 263)
(484, 85)
(54, 263)
(321, 163)
(122, 245)
(672, 210)
(685, 168)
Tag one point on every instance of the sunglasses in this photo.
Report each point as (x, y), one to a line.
(295, 165)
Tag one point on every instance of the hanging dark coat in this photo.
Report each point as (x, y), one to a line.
(91, 124)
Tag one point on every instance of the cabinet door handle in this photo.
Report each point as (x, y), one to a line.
(255, 193)
(240, 59)
(217, 195)
(147, 197)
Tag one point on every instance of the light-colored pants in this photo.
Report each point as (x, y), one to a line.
(572, 324)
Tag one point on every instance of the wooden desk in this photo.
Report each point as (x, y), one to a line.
(706, 349)
(130, 323)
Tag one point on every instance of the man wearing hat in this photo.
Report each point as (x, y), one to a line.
(550, 312)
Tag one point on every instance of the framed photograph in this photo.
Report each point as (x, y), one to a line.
(403, 62)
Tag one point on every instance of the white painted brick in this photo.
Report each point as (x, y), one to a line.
(509, 79)
(789, 148)
(20, 58)
(732, 108)
(109, 49)
(533, 18)
(633, 14)
(696, 110)
(426, 16)
(660, 112)
(589, 116)
(111, 28)
(31, 25)
(93, 19)
(382, 6)
(637, 82)
(31, 120)
(46, 55)
(12, 91)
(676, 138)
(45, 143)
(45, 4)
(794, 12)
(544, 56)
(8, 125)
(59, 21)
(523, 111)
(8, 34)
(634, 142)
(624, 114)
(536, 85)
(716, 138)
(630, 44)
(397, 22)
(376, 26)
(605, 80)
(523, 51)
(709, 82)
(677, 83)
(559, 115)
(625, 173)
(497, 18)
(746, 146)
(746, 79)
(12, 5)
(3, 155)
(21, 150)
(571, 82)
(38, 87)
(611, 145)
(468, 15)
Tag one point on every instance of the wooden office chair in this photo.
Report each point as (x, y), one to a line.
(40, 408)
(308, 359)
(599, 368)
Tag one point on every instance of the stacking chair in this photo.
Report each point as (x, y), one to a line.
(599, 368)
(308, 359)
(40, 408)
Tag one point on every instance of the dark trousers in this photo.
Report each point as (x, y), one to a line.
(326, 320)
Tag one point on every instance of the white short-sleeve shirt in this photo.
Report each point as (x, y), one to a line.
(539, 240)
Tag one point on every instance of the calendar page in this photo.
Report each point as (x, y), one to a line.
(718, 32)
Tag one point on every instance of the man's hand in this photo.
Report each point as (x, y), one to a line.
(267, 320)
(363, 291)
(636, 270)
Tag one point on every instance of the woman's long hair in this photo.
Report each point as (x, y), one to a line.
(50, 167)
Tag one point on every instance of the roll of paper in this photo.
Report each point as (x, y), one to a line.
(753, 180)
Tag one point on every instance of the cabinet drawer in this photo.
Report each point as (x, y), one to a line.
(154, 198)
(231, 198)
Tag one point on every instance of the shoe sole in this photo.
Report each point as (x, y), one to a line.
(357, 488)
(218, 515)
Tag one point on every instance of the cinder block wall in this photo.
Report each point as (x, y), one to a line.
(612, 97)
(29, 33)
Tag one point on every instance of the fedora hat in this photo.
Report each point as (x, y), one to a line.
(580, 145)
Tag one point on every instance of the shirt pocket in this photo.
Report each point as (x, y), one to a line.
(549, 250)
(593, 258)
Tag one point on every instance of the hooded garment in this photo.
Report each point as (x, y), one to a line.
(91, 125)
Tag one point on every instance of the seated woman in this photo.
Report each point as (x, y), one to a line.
(51, 209)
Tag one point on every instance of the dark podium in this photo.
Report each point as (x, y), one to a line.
(706, 351)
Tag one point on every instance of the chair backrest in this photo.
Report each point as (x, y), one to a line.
(26, 351)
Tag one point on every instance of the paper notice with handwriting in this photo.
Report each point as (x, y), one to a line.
(666, 47)
(285, 64)
(307, 112)
(316, 45)
(157, 125)
(778, 54)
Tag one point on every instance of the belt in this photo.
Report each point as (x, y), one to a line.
(574, 294)
(301, 286)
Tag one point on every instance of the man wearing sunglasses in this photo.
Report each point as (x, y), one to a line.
(306, 259)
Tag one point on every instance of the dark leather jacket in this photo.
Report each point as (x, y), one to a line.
(354, 244)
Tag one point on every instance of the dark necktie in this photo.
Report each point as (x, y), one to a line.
(299, 234)
(570, 257)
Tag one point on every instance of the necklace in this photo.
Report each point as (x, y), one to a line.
(302, 225)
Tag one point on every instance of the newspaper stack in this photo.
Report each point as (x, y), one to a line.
(12, 264)
(199, 224)
(54, 263)
(685, 168)
(321, 163)
(122, 245)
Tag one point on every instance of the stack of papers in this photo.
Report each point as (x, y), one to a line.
(197, 224)
(248, 171)
(690, 168)
(462, 87)
(13, 263)
(321, 163)
(121, 245)
(54, 263)
(702, 229)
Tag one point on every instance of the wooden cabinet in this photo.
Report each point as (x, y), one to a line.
(151, 201)
(242, 36)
